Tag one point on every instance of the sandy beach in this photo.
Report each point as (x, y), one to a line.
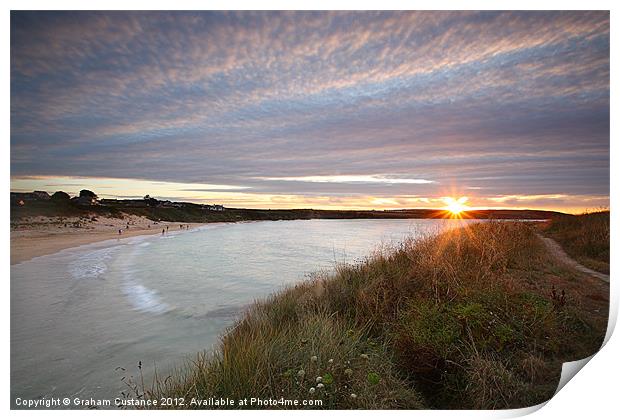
(37, 236)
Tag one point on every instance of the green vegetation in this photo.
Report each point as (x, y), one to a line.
(479, 317)
(584, 237)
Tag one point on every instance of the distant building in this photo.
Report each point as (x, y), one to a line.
(214, 207)
(24, 197)
(108, 202)
(85, 201)
(168, 203)
(86, 198)
(41, 195)
(132, 203)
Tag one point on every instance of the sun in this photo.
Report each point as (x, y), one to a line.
(455, 205)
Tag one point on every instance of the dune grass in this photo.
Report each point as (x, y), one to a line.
(584, 237)
(479, 317)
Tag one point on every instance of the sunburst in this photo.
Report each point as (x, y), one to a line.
(455, 206)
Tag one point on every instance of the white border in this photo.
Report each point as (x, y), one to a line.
(592, 394)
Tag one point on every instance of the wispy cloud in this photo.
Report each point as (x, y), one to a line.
(350, 179)
(311, 103)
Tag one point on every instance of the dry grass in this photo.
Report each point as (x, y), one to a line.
(584, 237)
(479, 317)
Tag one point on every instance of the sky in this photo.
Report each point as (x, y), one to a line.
(340, 110)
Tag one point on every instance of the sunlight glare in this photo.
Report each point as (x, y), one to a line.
(455, 206)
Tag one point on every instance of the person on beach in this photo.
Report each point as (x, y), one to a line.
(163, 231)
(120, 231)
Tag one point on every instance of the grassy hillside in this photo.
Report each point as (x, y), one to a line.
(479, 317)
(584, 237)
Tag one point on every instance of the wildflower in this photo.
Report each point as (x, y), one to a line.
(320, 386)
(319, 379)
(348, 372)
(312, 390)
(330, 361)
(301, 373)
(314, 359)
(354, 396)
(327, 379)
(364, 356)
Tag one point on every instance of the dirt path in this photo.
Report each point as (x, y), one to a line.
(556, 250)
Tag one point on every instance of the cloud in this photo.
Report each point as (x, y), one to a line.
(514, 103)
(350, 179)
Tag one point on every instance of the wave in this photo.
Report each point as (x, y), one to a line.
(144, 299)
(140, 297)
(92, 264)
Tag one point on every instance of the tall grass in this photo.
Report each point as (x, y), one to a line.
(584, 237)
(478, 317)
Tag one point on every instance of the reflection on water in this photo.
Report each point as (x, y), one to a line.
(79, 314)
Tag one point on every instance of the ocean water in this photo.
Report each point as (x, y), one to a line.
(83, 318)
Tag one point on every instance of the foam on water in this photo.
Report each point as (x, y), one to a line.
(141, 298)
(91, 264)
(144, 299)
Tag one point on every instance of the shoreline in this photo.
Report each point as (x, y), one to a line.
(27, 244)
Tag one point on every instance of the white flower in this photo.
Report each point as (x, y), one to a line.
(319, 379)
(301, 373)
(320, 386)
(353, 396)
(312, 390)
(364, 356)
(330, 361)
(314, 359)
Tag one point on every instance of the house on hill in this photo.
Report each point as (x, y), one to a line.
(86, 198)
(20, 198)
(214, 207)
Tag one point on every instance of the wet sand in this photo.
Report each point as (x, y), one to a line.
(42, 236)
